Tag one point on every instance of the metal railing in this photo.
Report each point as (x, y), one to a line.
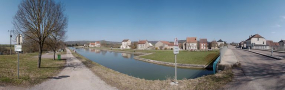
(218, 60)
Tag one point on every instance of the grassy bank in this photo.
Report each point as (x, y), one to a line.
(185, 57)
(125, 82)
(29, 73)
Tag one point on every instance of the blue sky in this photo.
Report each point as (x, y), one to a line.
(115, 20)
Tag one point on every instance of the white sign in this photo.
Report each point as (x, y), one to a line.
(175, 47)
(18, 48)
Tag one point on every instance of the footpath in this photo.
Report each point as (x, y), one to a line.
(75, 76)
(228, 59)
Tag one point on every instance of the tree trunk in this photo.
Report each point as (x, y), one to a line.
(40, 58)
(53, 54)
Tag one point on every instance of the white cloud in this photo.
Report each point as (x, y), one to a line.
(277, 25)
(273, 32)
(283, 17)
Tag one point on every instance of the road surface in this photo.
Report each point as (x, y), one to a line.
(257, 72)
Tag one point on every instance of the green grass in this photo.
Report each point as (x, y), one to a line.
(185, 57)
(29, 73)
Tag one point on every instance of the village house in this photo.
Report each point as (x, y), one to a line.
(282, 44)
(142, 45)
(242, 44)
(272, 45)
(214, 45)
(96, 44)
(256, 42)
(161, 45)
(190, 44)
(203, 44)
(126, 44)
(220, 43)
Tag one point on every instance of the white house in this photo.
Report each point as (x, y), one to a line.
(256, 42)
(142, 45)
(161, 45)
(96, 44)
(190, 44)
(126, 44)
(220, 43)
(282, 44)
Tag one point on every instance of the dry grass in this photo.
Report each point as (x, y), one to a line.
(125, 82)
(29, 73)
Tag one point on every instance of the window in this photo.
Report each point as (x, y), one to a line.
(257, 39)
(263, 42)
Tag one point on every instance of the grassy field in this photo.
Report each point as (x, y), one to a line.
(126, 82)
(29, 73)
(185, 57)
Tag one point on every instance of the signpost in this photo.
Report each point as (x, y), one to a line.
(18, 49)
(175, 51)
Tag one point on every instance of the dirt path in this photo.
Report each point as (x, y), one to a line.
(74, 77)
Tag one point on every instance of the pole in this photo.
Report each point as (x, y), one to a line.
(271, 51)
(18, 65)
(175, 70)
(10, 43)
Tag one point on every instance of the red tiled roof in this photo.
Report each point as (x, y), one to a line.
(97, 42)
(271, 43)
(142, 41)
(125, 40)
(255, 36)
(92, 43)
(203, 41)
(165, 42)
(191, 40)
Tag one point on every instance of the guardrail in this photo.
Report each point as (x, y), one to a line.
(218, 60)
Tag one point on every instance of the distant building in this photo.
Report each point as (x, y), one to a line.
(203, 44)
(142, 45)
(190, 44)
(282, 44)
(161, 45)
(272, 45)
(220, 43)
(96, 44)
(256, 42)
(242, 44)
(214, 45)
(126, 44)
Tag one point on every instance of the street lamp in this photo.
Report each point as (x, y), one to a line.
(10, 40)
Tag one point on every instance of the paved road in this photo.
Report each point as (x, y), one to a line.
(257, 72)
(74, 77)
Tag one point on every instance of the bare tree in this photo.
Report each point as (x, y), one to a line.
(55, 41)
(38, 19)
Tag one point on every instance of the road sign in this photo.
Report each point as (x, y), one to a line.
(18, 48)
(175, 49)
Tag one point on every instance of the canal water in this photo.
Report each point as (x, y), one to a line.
(125, 63)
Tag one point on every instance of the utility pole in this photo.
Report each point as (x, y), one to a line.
(10, 40)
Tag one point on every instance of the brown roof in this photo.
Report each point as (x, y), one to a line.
(271, 43)
(191, 40)
(98, 42)
(125, 40)
(276, 43)
(142, 41)
(203, 41)
(92, 43)
(255, 36)
(165, 42)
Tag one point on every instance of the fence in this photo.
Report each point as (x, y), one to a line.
(218, 60)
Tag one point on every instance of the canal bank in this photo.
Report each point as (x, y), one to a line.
(126, 82)
(180, 65)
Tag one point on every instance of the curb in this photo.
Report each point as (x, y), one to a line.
(278, 58)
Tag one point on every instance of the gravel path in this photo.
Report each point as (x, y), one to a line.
(74, 77)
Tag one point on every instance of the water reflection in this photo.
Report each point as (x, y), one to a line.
(128, 65)
(126, 55)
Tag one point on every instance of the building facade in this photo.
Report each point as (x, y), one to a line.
(142, 45)
(126, 44)
(190, 44)
(203, 44)
(256, 42)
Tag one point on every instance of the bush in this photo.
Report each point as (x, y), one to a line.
(156, 48)
(165, 48)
